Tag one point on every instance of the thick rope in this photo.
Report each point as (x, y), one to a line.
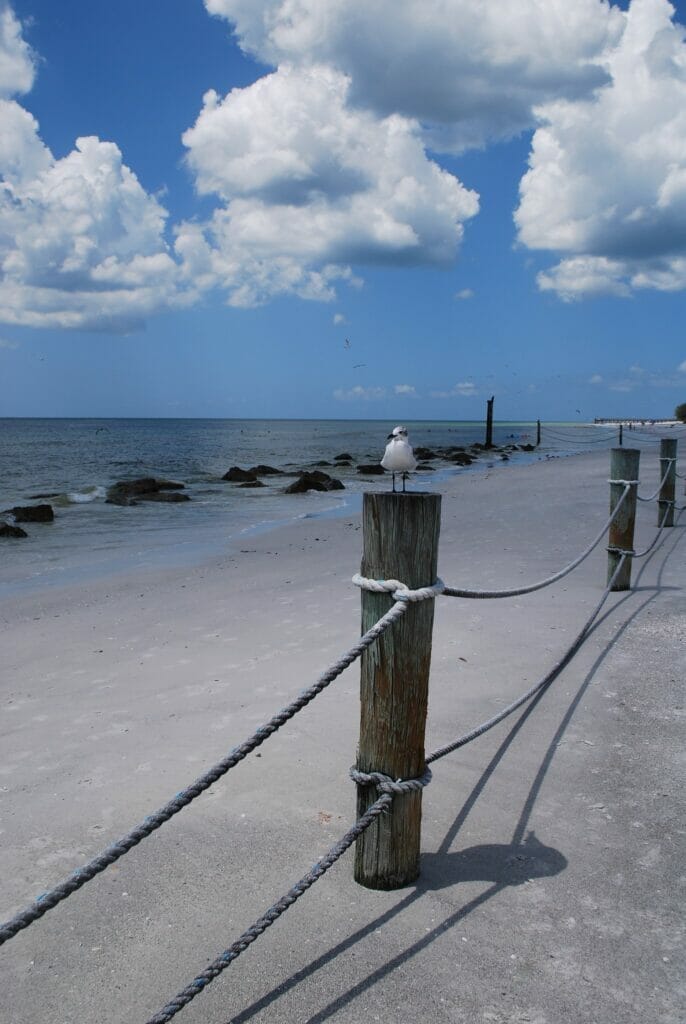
(273, 914)
(389, 788)
(546, 681)
(661, 483)
(641, 554)
(516, 592)
(397, 590)
(80, 876)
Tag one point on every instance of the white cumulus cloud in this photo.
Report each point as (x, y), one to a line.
(606, 188)
(408, 390)
(81, 242)
(310, 186)
(358, 393)
(469, 72)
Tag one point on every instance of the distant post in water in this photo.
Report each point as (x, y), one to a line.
(400, 541)
(538, 433)
(623, 469)
(665, 504)
(621, 434)
(489, 422)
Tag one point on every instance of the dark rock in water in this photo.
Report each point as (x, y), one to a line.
(343, 462)
(252, 483)
(163, 496)
(264, 471)
(371, 469)
(237, 475)
(322, 462)
(37, 497)
(478, 446)
(147, 488)
(32, 513)
(527, 447)
(424, 453)
(314, 481)
(343, 456)
(12, 531)
(461, 459)
(505, 457)
(424, 467)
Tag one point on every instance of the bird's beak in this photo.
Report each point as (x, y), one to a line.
(389, 437)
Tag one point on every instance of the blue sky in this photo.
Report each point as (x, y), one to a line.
(342, 209)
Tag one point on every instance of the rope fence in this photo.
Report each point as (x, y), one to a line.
(387, 788)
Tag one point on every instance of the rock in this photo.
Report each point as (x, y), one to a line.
(163, 496)
(265, 471)
(424, 453)
(461, 459)
(314, 481)
(424, 467)
(322, 462)
(343, 462)
(37, 497)
(371, 469)
(527, 447)
(237, 475)
(32, 513)
(252, 483)
(343, 456)
(12, 531)
(147, 488)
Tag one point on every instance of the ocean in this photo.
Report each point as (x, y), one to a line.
(75, 460)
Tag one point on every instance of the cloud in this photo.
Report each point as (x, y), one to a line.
(606, 184)
(7, 344)
(405, 389)
(469, 72)
(339, 319)
(81, 243)
(16, 58)
(637, 377)
(309, 186)
(682, 367)
(465, 389)
(358, 393)
(595, 379)
(465, 293)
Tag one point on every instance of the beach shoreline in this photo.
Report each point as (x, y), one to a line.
(117, 692)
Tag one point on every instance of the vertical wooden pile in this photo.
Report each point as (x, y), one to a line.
(400, 542)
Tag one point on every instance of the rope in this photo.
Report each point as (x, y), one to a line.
(485, 594)
(46, 901)
(399, 591)
(640, 554)
(385, 784)
(546, 681)
(272, 914)
(670, 463)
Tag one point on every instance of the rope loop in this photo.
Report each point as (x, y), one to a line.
(398, 590)
(385, 784)
(630, 553)
(625, 483)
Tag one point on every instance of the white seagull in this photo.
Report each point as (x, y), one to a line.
(399, 457)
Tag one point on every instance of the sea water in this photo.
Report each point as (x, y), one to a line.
(75, 460)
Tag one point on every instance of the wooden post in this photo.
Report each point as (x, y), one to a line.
(665, 503)
(623, 466)
(538, 433)
(621, 434)
(400, 541)
(489, 422)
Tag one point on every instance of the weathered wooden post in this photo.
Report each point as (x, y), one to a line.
(489, 422)
(538, 433)
(400, 541)
(665, 501)
(623, 470)
(621, 434)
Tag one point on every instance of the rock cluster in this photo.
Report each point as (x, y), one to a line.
(131, 492)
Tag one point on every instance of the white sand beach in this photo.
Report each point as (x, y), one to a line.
(552, 847)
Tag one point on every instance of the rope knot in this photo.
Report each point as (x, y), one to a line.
(398, 590)
(385, 784)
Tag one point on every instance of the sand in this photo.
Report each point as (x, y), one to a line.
(552, 847)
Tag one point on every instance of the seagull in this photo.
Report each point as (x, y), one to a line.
(399, 457)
